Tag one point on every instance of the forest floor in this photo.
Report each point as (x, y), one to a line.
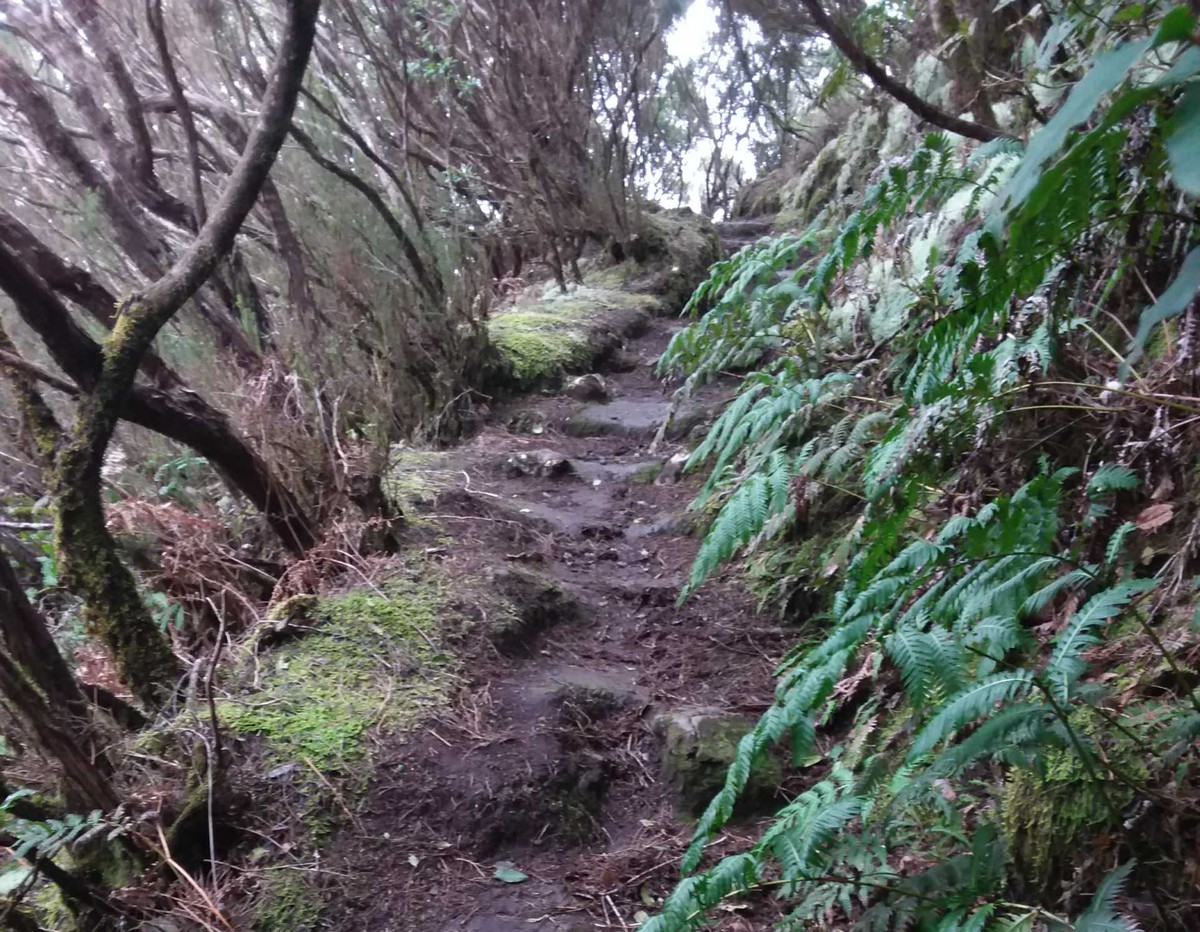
(550, 764)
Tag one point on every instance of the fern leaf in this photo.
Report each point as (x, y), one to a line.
(1110, 477)
(975, 701)
(1101, 914)
(1040, 600)
(1116, 544)
(1066, 663)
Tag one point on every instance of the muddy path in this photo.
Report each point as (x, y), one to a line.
(541, 802)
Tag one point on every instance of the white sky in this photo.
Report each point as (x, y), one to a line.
(689, 37)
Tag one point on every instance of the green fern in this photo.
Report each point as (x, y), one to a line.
(950, 603)
(1101, 914)
(1066, 663)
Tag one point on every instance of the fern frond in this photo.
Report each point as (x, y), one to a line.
(1116, 544)
(1101, 914)
(1110, 477)
(972, 703)
(1040, 600)
(1066, 662)
(930, 662)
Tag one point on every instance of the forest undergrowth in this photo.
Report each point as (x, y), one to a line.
(991, 503)
(260, 257)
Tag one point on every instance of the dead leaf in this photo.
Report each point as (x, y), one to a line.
(1154, 516)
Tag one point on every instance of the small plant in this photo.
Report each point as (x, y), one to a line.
(166, 614)
(36, 841)
(176, 478)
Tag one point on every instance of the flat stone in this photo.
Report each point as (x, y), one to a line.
(616, 688)
(593, 472)
(619, 418)
(641, 419)
(682, 524)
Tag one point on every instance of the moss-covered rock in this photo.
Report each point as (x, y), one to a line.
(698, 747)
(549, 335)
(673, 250)
(416, 477)
(366, 660)
(1051, 812)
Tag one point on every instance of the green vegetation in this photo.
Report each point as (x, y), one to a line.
(290, 902)
(938, 378)
(541, 339)
(361, 662)
(414, 477)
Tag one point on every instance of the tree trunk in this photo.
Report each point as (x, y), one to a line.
(88, 554)
(173, 411)
(27, 639)
(55, 739)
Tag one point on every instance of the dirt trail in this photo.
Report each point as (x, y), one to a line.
(552, 760)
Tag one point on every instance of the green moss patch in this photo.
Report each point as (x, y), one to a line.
(543, 338)
(1052, 813)
(369, 661)
(416, 477)
(289, 903)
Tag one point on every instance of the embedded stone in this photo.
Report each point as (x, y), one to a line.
(672, 470)
(698, 747)
(542, 464)
(591, 387)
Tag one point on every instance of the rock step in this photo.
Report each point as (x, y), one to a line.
(636, 419)
(734, 234)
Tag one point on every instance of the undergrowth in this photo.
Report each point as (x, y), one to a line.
(359, 662)
(1003, 469)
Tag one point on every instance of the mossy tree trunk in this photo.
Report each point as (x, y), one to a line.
(89, 558)
(31, 274)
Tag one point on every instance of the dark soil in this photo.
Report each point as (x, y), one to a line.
(549, 760)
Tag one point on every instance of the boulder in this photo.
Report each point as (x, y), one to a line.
(672, 470)
(698, 747)
(591, 387)
(542, 464)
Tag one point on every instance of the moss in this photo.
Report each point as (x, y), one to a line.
(113, 609)
(290, 903)
(51, 910)
(1051, 812)
(542, 339)
(682, 245)
(698, 749)
(646, 475)
(538, 354)
(372, 662)
(415, 477)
